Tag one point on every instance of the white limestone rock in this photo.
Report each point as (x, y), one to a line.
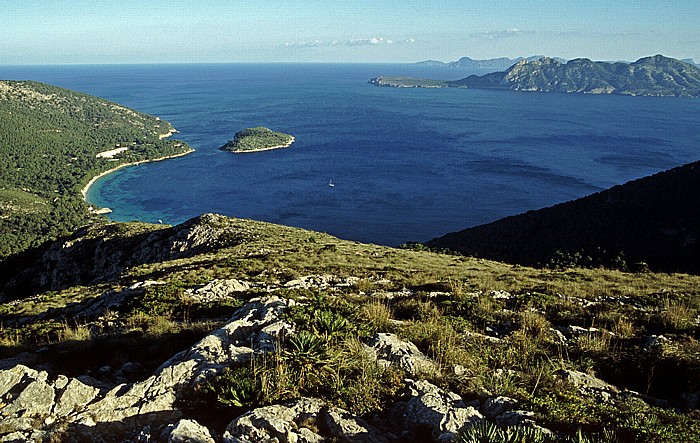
(388, 349)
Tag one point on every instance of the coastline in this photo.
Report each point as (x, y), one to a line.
(286, 145)
(92, 181)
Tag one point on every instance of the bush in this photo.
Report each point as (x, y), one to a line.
(486, 432)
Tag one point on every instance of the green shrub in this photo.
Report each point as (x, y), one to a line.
(486, 432)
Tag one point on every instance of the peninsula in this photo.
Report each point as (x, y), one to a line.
(257, 139)
(61, 141)
(657, 76)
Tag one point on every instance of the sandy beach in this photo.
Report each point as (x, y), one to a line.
(286, 145)
(92, 181)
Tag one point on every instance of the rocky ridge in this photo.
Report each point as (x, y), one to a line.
(367, 352)
(100, 253)
(655, 76)
(35, 406)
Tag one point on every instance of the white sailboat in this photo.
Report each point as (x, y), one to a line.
(330, 183)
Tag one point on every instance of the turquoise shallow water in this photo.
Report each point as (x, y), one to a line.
(407, 164)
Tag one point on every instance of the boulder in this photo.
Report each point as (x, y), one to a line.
(218, 290)
(515, 418)
(75, 395)
(35, 400)
(588, 384)
(388, 349)
(288, 422)
(344, 427)
(495, 406)
(443, 413)
(12, 378)
(304, 421)
(186, 431)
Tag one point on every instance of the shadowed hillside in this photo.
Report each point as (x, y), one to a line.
(655, 220)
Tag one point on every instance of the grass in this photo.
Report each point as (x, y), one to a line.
(449, 296)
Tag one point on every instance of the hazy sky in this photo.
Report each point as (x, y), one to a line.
(156, 31)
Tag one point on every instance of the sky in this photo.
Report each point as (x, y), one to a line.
(204, 31)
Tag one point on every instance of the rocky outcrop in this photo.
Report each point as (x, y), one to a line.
(186, 431)
(426, 411)
(101, 253)
(589, 385)
(304, 420)
(217, 290)
(32, 402)
(35, 407)
(444, 414)
(388, 349)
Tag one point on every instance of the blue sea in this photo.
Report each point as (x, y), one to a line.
(407, 164)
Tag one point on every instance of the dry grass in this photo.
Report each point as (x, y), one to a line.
(624, 328)
(677, 315)
(534, 324)
(79, 332)
(377, 313)
(598, 343)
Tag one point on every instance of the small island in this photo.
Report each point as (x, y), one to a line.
(257, 139)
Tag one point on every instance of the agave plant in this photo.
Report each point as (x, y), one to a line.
(330, 323)
(307, 354)
(237, 387)
(487, 432)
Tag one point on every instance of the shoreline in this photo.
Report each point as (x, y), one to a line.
(92, 181)
(286, 145)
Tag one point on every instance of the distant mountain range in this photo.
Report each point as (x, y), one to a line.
(655, 76)
(493, 63)
(503, 63)
(649, 76)
(655, 220)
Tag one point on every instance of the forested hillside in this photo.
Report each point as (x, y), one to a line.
(653, 220)
(49, 141)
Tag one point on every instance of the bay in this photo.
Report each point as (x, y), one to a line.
(407, 164)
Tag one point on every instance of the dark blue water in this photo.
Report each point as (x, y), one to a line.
(407, 164)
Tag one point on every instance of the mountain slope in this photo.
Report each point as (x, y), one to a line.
(495, 63)
(245, 331)
(654, 220)
(650, 76)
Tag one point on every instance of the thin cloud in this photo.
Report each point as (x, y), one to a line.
(497, 35)
(516, 32)
(371, 41)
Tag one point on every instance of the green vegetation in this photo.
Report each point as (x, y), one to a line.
(125, 293)
(486, 432)
(449, 314)
(640, 225)
(258, 138)
(323, 359)
(649, 76)
(49, 141)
